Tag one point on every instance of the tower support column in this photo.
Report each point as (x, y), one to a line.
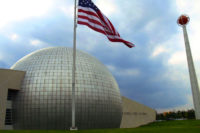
(183, 20)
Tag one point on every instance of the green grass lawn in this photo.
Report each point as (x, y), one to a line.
(179, 126)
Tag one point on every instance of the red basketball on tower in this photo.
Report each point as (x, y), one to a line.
(183, 20)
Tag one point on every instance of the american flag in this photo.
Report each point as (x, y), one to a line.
(91, 16)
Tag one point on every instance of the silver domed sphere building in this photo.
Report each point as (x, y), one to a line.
(44, 101)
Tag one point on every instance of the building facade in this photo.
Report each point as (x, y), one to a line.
(44, 98)
(136, 114)
(10, 83)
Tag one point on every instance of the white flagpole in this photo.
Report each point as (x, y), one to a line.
(73, 127)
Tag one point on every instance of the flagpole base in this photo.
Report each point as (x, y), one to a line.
(73, 128)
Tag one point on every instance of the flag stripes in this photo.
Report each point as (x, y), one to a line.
(91, 16)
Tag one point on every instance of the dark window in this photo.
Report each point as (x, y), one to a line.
(11, 94)
(8, 119)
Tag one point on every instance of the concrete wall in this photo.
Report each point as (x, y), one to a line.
(135, 114)
(9, 79)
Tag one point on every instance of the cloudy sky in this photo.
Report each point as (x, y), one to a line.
(153, 73)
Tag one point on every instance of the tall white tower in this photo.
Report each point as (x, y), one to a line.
(183, 21)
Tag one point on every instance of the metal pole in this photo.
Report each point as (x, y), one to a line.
(193, 77)
(73, 127)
